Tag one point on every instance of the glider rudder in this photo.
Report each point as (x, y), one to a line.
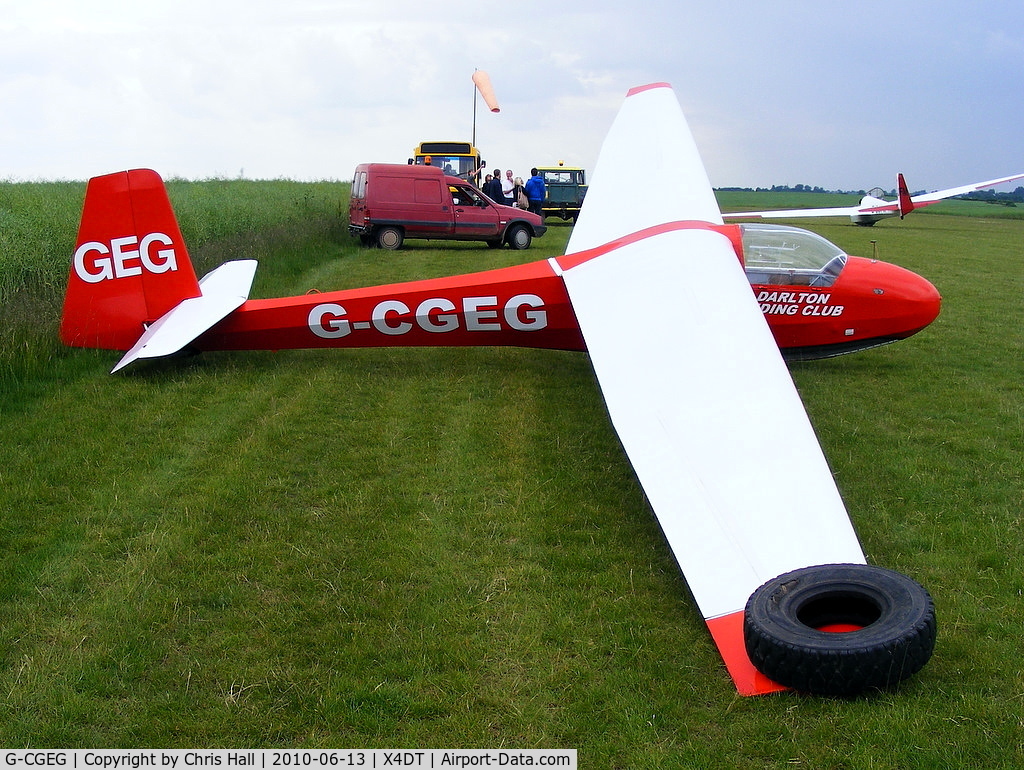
(906, 203)
(130, 264)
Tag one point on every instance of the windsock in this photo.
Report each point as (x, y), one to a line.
(483, 85)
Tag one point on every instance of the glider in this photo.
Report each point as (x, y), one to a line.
(871, 208)
(655, 292)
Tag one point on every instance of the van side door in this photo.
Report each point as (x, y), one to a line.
(434, 208)
(476, 218)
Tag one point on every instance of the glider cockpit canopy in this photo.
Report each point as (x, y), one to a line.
(779, 254)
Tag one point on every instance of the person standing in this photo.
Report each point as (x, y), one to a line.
(519, 195)
(492, 187)
(535, 191)
(508, 187)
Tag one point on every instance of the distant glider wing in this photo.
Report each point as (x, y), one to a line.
(837, 211)
(952, 192)
(870, 206)
(694, 382)
(223, 290)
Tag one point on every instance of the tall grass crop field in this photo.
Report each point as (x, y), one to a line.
(446, 547)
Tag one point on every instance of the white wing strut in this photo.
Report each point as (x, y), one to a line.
(223, 290)
(696, 387)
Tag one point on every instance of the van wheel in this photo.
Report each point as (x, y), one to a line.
(519, 237)
(390, 238)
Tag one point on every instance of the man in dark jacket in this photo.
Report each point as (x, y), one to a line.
(492, 188)
(535, 191)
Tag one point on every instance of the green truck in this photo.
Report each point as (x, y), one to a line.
(566, 187)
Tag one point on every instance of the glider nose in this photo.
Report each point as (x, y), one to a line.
(913, 302)
(924, 301)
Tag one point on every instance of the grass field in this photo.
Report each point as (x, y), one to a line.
(447, 548)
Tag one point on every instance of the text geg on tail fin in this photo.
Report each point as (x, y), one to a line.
(130, 265)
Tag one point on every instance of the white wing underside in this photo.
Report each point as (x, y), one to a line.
(694, 382)
(223, 290)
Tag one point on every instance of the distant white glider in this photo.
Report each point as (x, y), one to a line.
(872, 209)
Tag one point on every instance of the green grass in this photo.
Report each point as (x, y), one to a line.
(447, 548)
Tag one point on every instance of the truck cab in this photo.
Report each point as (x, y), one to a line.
(390, 203)
(565, 189)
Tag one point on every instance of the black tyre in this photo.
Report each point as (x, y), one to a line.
(390, 238)
(519, 237)
(839, 629)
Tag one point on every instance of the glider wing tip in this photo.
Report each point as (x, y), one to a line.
(649, 87)
(727, 631)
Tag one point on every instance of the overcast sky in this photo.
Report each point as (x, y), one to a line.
(837, 94)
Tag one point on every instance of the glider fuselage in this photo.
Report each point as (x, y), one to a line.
(131, 267)
(868, 303)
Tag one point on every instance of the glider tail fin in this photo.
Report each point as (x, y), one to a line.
(906, 203)
(130, 265)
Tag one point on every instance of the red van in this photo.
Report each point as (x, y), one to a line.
(392, 202)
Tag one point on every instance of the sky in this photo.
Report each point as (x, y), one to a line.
(841, 95)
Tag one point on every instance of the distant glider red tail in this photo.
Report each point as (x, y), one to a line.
(130, 264)
(906, 203)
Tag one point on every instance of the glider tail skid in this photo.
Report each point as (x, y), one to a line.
(131, 285)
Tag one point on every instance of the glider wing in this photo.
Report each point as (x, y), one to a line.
(695, 384)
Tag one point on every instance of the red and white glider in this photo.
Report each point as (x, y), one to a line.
(871, 209)
(695, 385)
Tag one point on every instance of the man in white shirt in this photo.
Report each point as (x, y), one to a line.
(507, 186)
